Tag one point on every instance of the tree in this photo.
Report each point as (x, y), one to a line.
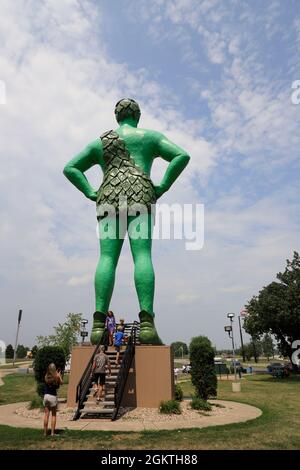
(203, 370)
(276, 309)
(252, 350)
(34, 350)
(267, 346)
(65, 334)
(45, 356)
(9, 352)
(248, 351)
(179, 349)
(21, 351)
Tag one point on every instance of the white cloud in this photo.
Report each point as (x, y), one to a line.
(61, 90)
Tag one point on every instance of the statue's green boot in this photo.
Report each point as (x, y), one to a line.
(148, 333)
(98, 327)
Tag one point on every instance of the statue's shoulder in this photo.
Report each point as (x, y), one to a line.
(95, 146)
(152, 136)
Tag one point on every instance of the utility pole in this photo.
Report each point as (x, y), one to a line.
(17, 335)
(242, 342)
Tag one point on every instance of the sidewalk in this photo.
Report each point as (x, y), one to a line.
(232, 412)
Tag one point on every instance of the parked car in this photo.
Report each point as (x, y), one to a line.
(237, 363)
(221, 367)
(238, 366)
(279, 370)
(274, 366)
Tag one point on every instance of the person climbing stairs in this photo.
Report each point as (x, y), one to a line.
(88, 406)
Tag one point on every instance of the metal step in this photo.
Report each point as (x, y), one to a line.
(113, 375)
(92, 403)
(98, 411)
(90, 397)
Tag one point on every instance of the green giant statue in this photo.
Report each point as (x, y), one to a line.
(125, 156)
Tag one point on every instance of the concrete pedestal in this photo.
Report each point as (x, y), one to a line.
(79, 360)
(150, 379)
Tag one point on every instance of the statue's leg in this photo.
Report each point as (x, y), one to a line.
(144, 277)
(110, 248)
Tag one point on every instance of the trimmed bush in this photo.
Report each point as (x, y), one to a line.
(44, 357)
(198, 403)
(178, 393)
(170, 407)
(36, 402)
(203, 370)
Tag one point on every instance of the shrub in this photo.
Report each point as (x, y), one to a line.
(21, 351)
(36, 402)
(44, 357)
(170, 407)
(198, 403)
(34, 350)
(9, 352)
(203, 371)
(40, 387)
(178, 393)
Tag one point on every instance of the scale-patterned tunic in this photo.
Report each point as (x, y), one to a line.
(123, 178)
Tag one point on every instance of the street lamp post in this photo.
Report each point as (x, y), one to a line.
(229, 329)
(83, 332)
(17, 335)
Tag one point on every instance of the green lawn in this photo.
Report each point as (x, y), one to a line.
(277, 428)
(19, 387)
(18, 359)
(19, 363)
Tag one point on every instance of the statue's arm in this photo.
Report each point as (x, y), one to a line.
(74, 170)
(177, 158)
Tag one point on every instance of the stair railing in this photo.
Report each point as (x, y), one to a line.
(124, 370)
(85, 382)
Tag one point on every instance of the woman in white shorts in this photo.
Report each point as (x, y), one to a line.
(53, 381)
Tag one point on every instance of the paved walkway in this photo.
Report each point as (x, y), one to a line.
(235, 413)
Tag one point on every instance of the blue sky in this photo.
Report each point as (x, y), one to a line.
(216, 78)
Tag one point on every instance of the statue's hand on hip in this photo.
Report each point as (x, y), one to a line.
(159, 190)
(92, 195)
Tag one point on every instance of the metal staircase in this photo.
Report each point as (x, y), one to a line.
(115, 384)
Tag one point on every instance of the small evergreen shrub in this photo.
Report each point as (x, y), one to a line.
(36, 402)
(40, 387)
(203, 369)
(178, 393)
(170, 407)
(44, 357)
(198, 403)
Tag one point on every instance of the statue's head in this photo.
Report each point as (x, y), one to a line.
(127, 108)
